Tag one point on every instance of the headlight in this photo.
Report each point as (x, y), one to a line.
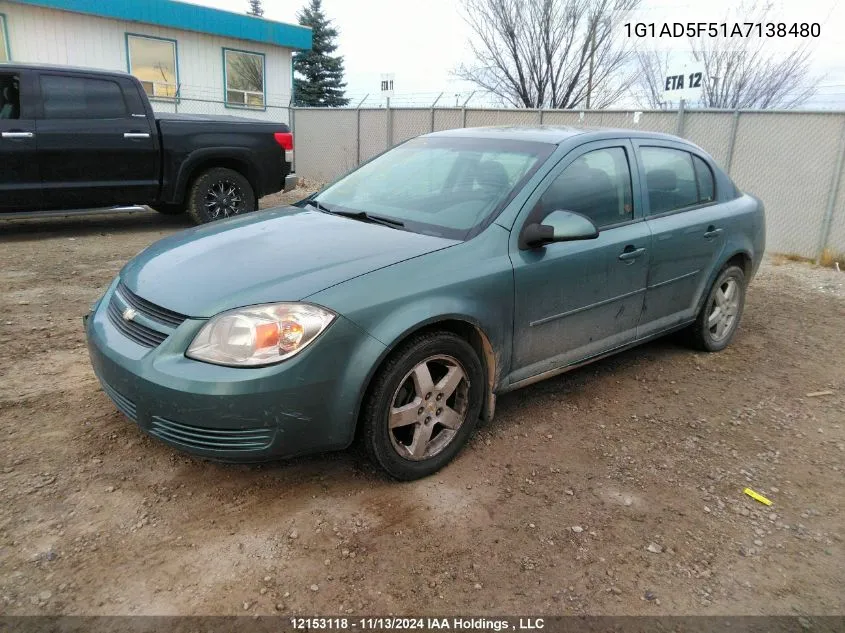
(259, 335)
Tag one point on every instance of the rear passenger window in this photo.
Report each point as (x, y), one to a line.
(597, 185)
(81, 98)
(670, 179)
(704, 175)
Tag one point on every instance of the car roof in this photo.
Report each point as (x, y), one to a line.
(553, 134)
(59, 67)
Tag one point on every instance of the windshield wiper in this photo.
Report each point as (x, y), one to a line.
(319, 206)
(366, 217)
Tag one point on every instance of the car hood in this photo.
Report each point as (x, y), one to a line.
(284, 254)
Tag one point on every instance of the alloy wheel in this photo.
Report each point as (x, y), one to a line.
(223, 200)
(723, 309)
(428, 408)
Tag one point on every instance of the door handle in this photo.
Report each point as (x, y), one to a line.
(631, 253)
(18, 135)
(136, 135)
(712, 232)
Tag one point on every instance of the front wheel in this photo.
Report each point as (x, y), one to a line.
(220, 193)
(719, 317)
(424, 403)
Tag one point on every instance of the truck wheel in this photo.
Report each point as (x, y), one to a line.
(220, 193)
(169, 209)
(423, 405)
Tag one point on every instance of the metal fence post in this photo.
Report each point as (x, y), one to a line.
(540, 113)
(679, 126)
(293, 133)
(831, 198)
(431, 127)
(358, 130)
(389, 123)
(732, 143)
(464, 109)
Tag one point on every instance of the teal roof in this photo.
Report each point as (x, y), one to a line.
(188, 17)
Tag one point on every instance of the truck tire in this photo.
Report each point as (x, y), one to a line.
(219, 193)
(169, 209)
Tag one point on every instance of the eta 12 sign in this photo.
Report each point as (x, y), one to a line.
(683, 82)
(679, 82)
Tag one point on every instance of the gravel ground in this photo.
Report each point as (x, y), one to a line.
(615, 489)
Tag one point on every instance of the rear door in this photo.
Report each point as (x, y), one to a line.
(20, 184)
(688, 225)
(93, 149)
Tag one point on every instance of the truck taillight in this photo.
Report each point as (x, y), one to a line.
(285, 139)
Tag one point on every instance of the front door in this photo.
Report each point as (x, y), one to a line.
(20, 184)
(575, 300)
(92, 152)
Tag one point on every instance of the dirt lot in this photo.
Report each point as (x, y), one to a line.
(616, 489)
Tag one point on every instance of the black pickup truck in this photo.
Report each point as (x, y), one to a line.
(82, 139)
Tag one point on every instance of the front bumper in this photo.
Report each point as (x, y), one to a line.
(303, 405)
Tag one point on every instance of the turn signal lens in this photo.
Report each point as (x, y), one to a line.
(259, 335)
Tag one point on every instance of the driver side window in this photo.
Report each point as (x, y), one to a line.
(596, 185)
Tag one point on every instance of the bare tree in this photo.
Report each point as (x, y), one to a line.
(648, 89)
(549, 53)
(738, 72)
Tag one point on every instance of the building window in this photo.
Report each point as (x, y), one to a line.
(153, 61)
(5, 55)
(244, 76)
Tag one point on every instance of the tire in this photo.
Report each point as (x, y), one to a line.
(229, 191)
(456, 380)
(169, 209)
(714, 337)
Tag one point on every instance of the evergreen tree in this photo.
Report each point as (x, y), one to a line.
(320, 81)
(255, 8)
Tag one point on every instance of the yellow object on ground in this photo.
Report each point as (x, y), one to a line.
(757, 496)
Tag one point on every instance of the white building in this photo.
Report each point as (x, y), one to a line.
(189, 58)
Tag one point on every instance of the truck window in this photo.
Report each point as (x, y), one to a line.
(10, 96)
(81, 98)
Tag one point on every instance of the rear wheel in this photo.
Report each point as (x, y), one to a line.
(220, 193)
(169, 209)
(423, 405)
(719, 317)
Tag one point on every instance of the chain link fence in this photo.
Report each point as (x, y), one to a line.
(273, 111)
(792, 160)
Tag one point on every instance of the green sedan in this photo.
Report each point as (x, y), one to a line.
(395, 304)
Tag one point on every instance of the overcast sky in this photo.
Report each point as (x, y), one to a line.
(422, 42)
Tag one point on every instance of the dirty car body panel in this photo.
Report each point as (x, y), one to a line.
(530, 311)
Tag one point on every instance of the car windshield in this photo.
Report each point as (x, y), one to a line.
(444, 186)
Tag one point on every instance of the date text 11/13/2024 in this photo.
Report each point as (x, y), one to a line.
(419, 624)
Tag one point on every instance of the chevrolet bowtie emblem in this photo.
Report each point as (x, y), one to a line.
(129, 314)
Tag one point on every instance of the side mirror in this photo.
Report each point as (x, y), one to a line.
(559, 226)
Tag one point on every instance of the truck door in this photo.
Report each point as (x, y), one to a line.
(92, 151)
(20, 184)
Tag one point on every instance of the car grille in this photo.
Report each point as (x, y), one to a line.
(124, 404)
(139, 333)
(150, 310)
(210, 439)
(142, 334)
